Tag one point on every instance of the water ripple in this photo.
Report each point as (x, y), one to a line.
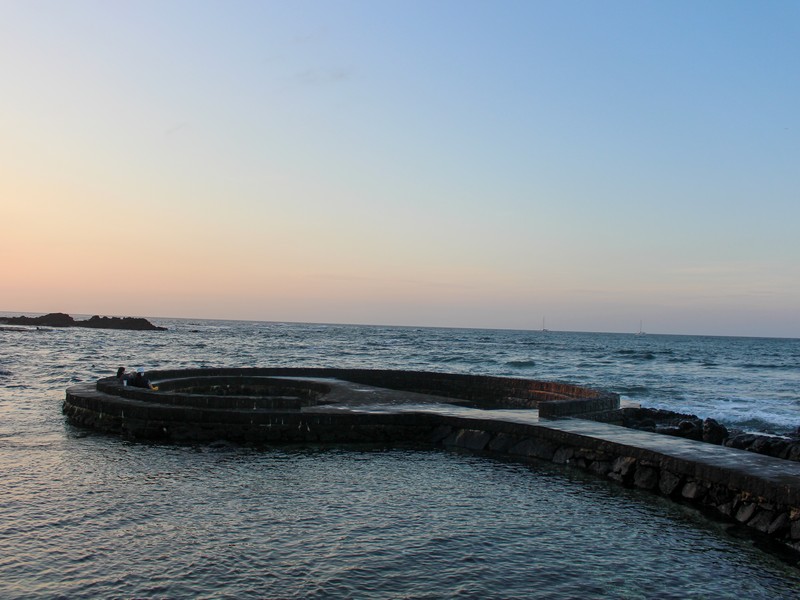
(87, 516)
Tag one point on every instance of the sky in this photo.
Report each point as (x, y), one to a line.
(595, 165)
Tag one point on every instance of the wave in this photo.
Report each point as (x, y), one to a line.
(521, 363)
(633, 390)
(760, 422)
(637, 354)
(767, 366)
(680, 359)
(460, 358)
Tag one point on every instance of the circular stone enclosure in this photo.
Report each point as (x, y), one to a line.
(287, 405)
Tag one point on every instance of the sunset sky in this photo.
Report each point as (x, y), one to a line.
(447, 163)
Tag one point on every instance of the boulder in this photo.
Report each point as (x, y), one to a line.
(713, 432)
(779, 447)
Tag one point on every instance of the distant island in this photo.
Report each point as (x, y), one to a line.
(96, 322)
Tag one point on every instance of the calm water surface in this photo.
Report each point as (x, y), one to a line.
(91, 516)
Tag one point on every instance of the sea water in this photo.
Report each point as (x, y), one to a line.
(84, 515)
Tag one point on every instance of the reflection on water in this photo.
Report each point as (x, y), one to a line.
(126, 520)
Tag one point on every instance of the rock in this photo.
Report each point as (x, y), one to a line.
(563, 455)
(770, 445)
(792, 452)
(533, 447)
(624, 465)
(713, 432)
(501, 443)
(622, 469)
(762, 520)
(780, 522)
(668, 482)
(726, 509)
(440, 433)
(645, 478)
(49, 320)
(646, 425)
(718, 494)
(777, 446)
(601, 467)
(692, 490)
(760, 445)
(663, 421)
(794, 532)
(472, 439)
(669, 430)
(745, 512)
(96, 322)
(742, 441)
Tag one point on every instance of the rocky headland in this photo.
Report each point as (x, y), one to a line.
(95, 322)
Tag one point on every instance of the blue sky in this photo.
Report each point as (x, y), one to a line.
(479, 164)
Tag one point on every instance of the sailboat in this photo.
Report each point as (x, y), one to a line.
(640, 332)
(544, 329)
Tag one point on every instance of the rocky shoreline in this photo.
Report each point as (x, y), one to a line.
(708, 430)
(95, 322)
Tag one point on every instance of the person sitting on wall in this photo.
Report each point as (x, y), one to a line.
(139, 380)
(123, 377)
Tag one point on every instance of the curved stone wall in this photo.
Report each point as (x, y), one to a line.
(284, 404)
(550, 398)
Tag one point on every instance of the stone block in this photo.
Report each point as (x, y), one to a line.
(792, 452)
(726, 509)
(713, 432)
(746, 512)
(533, 447)
(601, 467)
(692, 490)
(623, 468)
(440, 433)
(472, 439)
(762, 520)
(450, 438)
(718, 494)
(645, 477)
(794, 530)
(780, 522)
(668, 482)
(501, 443)
(563, 455)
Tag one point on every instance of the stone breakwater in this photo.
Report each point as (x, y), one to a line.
(516, 418)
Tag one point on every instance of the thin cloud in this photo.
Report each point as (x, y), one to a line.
(313, 36)
(176, 128)
(322, 76)
(387, 282)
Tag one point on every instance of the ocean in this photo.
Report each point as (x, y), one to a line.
(84, 515)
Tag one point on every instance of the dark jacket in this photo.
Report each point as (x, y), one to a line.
(141, 381)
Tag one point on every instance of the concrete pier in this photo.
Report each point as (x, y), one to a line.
(517, 418)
